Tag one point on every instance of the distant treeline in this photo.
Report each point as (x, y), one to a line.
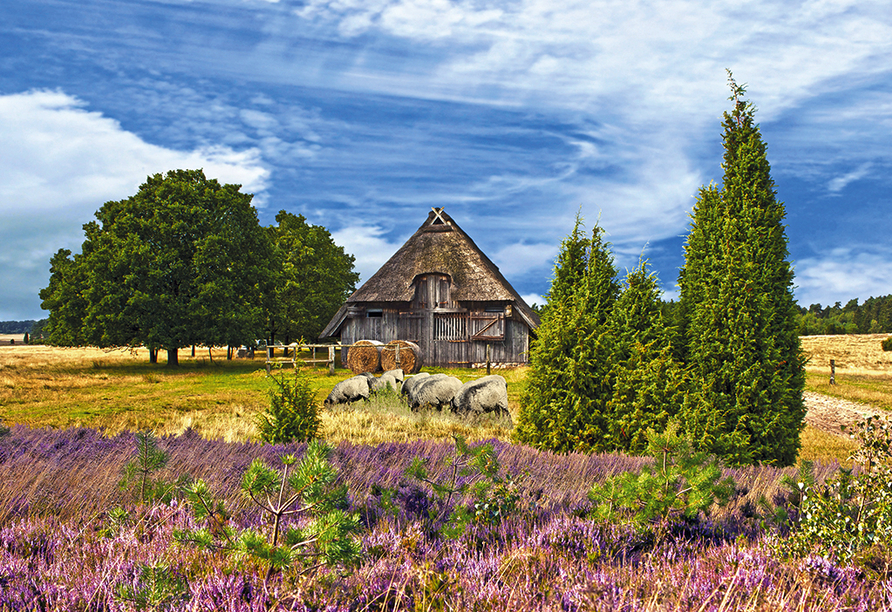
(874, 316)
(16, 327)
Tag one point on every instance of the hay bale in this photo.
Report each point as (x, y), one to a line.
(410, 356)
(364, 356)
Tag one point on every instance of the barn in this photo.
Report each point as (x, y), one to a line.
(441, 292)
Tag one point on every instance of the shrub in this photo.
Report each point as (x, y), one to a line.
(887, 344)
(138, 473)
(850, 518)
(293, 413)
(680, 485)
(308, 490)
(473, 470)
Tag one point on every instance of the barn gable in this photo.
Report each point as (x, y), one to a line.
(439, 287)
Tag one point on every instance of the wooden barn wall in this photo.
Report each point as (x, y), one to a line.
(458, 351)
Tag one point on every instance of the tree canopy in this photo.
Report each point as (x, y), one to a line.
(181, 262)
(315, 277)
(569, 385)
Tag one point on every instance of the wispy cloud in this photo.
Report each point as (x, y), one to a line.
(60, 162)
(844, 273)
(514, 114)
(839, 183)
(370, 240)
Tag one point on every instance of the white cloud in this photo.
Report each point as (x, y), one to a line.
(839, 183)
(59, 164)
(368, 245)
(58, 156)
(520, 257)
(534, 298)
(844, 273)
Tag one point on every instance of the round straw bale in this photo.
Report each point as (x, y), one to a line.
(364, 356)
(411, 357)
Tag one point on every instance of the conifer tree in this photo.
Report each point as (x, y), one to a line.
(649, 384)
(570, 382)
(742, 347)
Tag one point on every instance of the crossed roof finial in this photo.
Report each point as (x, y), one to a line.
(438, 218)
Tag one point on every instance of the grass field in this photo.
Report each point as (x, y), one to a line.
(863, 369)
(120, 390)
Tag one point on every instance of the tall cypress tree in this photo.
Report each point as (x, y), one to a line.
(570, 381)
(742, 346)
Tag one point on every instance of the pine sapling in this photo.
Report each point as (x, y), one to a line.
(680, 485)
(307, 490)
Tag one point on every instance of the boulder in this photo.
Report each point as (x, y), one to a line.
(436, 390)
(487, 394)
(350, 390)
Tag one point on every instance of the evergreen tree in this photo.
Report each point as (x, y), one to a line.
(564, 405)
(649, 384)
(742, 346)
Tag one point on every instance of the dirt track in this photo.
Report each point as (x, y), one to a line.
(828, 413)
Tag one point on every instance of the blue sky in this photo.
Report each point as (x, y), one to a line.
(363, 114)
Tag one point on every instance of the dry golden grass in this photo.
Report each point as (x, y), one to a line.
(853, 353)
(387, 419)
(863, 369)
(819, 445)
(119, 391)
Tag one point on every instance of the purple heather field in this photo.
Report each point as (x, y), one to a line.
(57, 551)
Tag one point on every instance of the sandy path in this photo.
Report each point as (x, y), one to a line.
(828, 413)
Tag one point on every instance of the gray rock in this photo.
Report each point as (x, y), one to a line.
(410, 382)
(487, 394)
(350, 390)
(436, 390)
(379, 384)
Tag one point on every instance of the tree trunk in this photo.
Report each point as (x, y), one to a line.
(173, 358)
(153, 355)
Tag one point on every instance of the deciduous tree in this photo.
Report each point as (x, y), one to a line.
(315, 277)
(181, 262)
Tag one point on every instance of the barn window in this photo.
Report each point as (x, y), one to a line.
(432, 291)
(374, 313)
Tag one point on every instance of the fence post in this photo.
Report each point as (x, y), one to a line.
(331, 358)
(832, 371)
(488, 358)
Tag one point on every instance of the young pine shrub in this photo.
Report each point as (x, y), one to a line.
(293, 412)
(887, 344)
(679, 486)
(473, 470)
(157, 588)
(307, 490)
(139, 473)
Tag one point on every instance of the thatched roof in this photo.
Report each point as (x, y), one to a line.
(438, 246)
